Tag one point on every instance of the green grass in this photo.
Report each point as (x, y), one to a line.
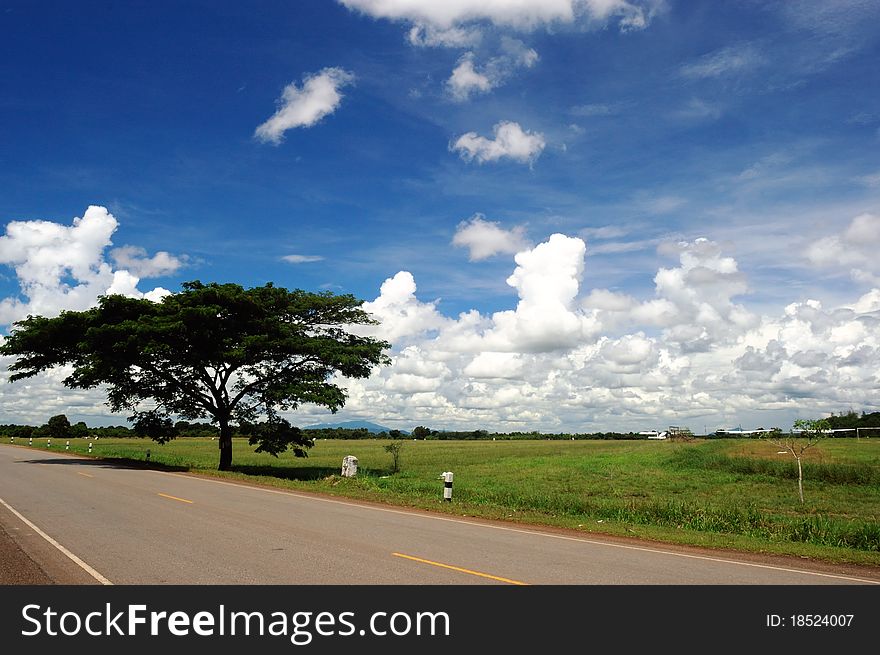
(738, 494)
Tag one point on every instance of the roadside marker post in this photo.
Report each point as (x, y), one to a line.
(349, 466)
(148, 454)
(90, 448)
(446, 476)
(67, 445)
(48, 443)
(30, 441)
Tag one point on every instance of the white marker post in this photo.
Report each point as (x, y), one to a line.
(67, 445)
(30, 441)
(48, 443)
(90, 448)
(447, 485)
(349, 466)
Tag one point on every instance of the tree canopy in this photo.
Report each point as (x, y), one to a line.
(214, 351)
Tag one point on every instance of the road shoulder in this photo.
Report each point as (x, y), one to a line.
(26, 558)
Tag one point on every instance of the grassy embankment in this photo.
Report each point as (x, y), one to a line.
(738, 494)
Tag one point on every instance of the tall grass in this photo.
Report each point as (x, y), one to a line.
(833, 473)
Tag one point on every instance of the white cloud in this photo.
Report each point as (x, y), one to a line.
(604, 232)
(479, 372)
(630, 353)
(609, 301)
(510, 141)
(303, 107)
(401, 314)
(453, 37)
(546, 318)
(516, 14)
(726, 61)
(62, 267)
(486, 239)
(467, 80)
(870, 302)
(135, 260)
(495, 365)
(301, 259)
(693, 302)
(567, 356)
(854, 249)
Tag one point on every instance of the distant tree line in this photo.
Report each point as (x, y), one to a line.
(59, 427)
(424, 433)
(852, 420)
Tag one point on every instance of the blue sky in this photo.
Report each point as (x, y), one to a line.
(634, 128)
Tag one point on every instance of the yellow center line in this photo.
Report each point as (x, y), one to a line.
(183, 500)
(459, 569)
(88, 475)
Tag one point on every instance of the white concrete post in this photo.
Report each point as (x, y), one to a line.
(447, 485)
(349, 466)
(90, 447)
(48, 443)
(30, 441)
(67, 445)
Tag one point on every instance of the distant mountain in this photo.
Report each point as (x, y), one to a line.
(352, 425)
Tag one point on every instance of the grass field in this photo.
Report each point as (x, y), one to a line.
(730, 493)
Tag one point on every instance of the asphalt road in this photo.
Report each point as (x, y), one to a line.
(75, 520)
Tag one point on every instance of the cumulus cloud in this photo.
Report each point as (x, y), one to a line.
(566, 355)
(400, 313)
(854, 249)
(510, 141)
(805, 361)
(62, 267)
(135, 260)
(546, 318)
(520, 15)
(467, 80)
(693, 304)
(495, 365)
(486, 239)
(304, 106)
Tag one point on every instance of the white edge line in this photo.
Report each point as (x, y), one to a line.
(518, 530)
(76, 560)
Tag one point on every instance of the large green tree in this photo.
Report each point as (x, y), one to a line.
(59, 427)
(215, 351)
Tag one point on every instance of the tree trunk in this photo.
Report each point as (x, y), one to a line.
(800, 481)
(225, 446)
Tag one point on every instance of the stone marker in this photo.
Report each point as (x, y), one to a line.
(349, 466)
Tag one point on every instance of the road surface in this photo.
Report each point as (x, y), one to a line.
(76, 520)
